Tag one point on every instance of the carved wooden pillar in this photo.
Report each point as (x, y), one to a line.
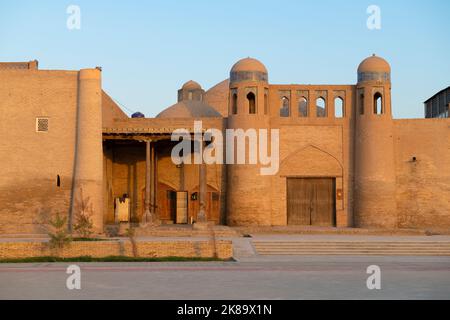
(148, 178)
(201, 217)
(152, 180)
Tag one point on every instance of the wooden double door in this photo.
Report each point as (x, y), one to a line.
(212, 205)
(311, 201)
(172, 204)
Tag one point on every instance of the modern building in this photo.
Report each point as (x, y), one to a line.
(343, 160)
(438, 106)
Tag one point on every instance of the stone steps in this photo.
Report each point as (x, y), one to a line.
(419, 248)
(301, 230)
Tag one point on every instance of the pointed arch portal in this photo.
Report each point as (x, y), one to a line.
(311, 179)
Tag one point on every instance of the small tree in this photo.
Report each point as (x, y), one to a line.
(131, 234)
(59, 236)
(83, 217)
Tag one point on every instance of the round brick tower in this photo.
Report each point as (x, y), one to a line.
(248, 190)
(88, 179)
(375, 205)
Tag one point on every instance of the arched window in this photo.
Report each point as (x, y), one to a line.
(361, 104)
(285, 108)
(339, 107)
(251, 103)
(303, 107)
(321, 111)
(266, 104)
(378, 103)
(234, 104)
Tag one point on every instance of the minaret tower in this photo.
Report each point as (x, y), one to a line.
(248, 190)
(375, 204)
(88, 176)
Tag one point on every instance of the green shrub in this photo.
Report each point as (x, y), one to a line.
(83, 217)
(59, 236)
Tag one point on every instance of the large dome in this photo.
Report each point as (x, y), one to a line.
(218, 97)
(374, 64)
(190, 109)
(249, 65)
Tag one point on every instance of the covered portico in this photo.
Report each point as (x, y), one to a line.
(142, 184)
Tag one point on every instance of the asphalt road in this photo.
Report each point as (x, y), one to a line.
(252, 278)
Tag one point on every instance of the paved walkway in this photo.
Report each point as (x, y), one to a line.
(251, 278)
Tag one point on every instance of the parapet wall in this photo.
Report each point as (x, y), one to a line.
(102, 249)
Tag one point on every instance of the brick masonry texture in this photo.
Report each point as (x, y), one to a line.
(145, 249)
(390, 173)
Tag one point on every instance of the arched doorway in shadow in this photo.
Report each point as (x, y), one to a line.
(212, 204)
(166, 203)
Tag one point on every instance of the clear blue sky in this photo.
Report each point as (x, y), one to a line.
(148, 49)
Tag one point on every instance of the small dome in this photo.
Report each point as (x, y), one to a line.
(190, 109)
(374, 64)
(138, 115)
(249, 65)
(191, 85)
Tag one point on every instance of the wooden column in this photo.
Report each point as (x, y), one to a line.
(147, 203)
(152, 180)
(155, 187)
(201, 217)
